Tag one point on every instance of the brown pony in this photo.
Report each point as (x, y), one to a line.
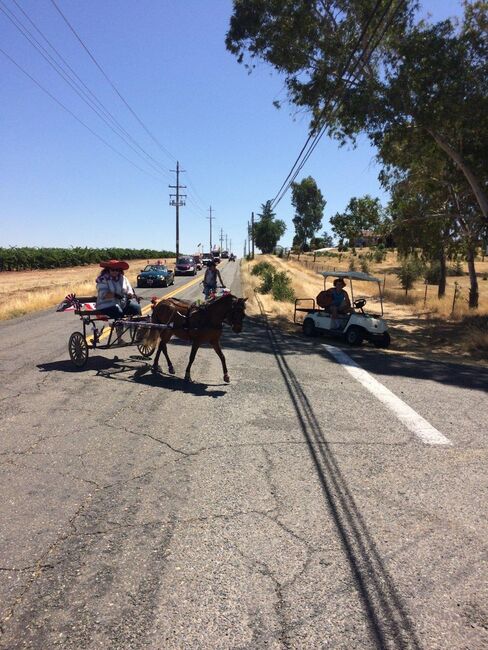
(196, 323)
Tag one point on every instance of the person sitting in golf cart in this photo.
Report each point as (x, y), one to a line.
(335, 300)
(114, 292)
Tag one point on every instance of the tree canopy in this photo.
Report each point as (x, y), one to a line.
(268, 230)
(363, 66)
(364, 213)
(309, 206)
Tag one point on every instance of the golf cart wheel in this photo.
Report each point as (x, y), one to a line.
(309, 327)
(384, 342)
(354, 336)
(78, 349)
(146, 350)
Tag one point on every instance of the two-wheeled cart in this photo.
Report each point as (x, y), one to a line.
(102, 333)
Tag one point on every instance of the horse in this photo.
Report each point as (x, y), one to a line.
(196, 323)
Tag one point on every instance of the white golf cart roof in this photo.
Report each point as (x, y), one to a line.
(350, 275)
(353, 275)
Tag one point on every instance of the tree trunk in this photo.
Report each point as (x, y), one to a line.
(441, 292)
(478, 191)
(473, 289)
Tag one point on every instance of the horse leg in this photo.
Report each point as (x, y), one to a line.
(163, 348)
(193, 354)
(218, 350)
(171, 369)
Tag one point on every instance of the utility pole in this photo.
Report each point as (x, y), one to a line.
(210, 218)
(177, 200)
(248, 238)
(252, 234)
(221, 238)
(230, 246)
(226, 243)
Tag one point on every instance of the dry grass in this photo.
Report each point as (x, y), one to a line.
(417, 328)
(24, 292)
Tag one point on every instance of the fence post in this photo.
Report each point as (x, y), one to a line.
(425, 294)
(384, 283)
(456, 291)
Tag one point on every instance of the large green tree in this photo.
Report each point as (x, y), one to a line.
(309, 206)
(268, 230)
(363, 213)
(402, 77)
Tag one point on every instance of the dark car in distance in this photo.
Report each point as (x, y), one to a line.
(225, 255)
(207, 258)
(186, 266)
(155, 275)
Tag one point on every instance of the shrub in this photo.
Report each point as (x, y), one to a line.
(267, 283)
(262, 267)
(432, 273)
(352, 264)
(364, 264)
(282, 289)
(457, 269)
(410, 270)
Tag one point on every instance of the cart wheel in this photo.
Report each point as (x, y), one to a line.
(78, 349)
(309, 327)
(384, 343)
(354, 335)
(146, 350)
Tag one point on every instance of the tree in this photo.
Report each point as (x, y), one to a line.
(363, 213)
(325, 241)
(431, 78)
(309, 206)
(268, 230)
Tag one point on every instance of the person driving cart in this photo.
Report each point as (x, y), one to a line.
(115, 296)
(212, 274)
(335, 300)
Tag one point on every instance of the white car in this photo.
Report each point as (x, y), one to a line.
(353, 328)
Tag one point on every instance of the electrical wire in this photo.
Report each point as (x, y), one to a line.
(315, 137)
(115, 89)
(81, 89)
(94, 133)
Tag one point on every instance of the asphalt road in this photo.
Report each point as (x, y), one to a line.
(291, 508)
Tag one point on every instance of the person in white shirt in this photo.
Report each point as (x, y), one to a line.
(115, 296)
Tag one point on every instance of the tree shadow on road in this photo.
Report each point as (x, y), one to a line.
(382, 362)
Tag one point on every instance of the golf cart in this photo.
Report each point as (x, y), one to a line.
(353, 328)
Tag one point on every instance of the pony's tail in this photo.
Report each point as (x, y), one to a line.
(151, 337)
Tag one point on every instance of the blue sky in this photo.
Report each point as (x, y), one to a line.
(61, 186)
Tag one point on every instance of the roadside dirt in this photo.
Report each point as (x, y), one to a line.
(415, 333)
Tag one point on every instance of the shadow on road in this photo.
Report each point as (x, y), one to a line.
(388, 619)
(93, 363)
(376, 361)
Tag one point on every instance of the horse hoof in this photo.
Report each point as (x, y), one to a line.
(156, 370)
(171, 370)
(226, 378)
(187, 378)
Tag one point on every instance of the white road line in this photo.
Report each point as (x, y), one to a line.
(410, 418)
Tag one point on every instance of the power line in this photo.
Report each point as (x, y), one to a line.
(85, 95)
(298, 165)
(115, 89)
(55, 99)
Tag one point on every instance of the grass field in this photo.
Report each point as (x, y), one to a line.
(24, 292)
(419, 326)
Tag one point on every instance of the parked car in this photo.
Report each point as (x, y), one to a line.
(198, 262)
(207, 258)
(185, 266)
(155, 275)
